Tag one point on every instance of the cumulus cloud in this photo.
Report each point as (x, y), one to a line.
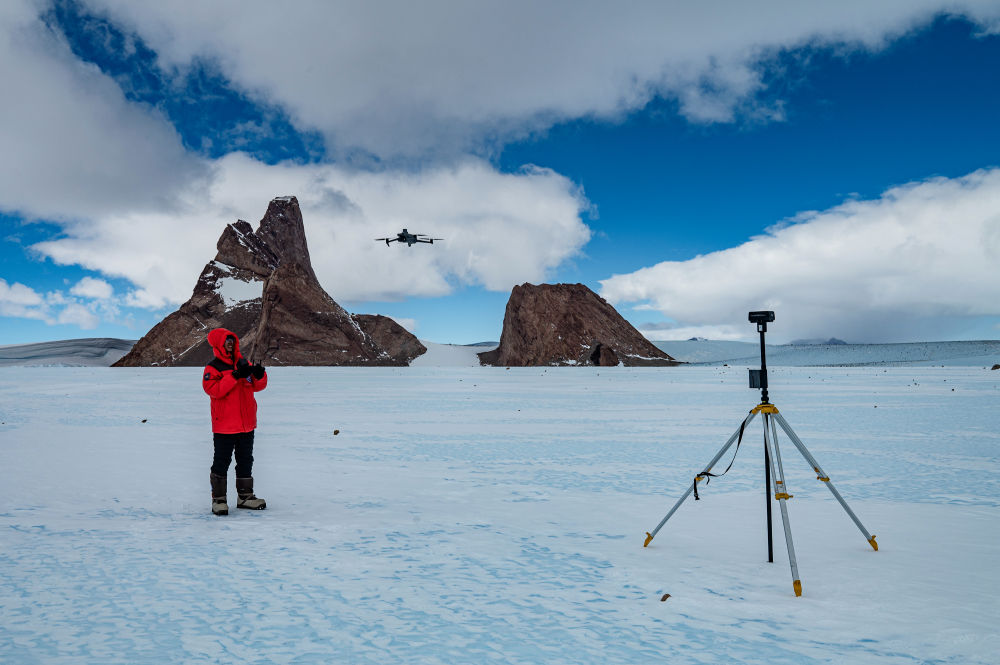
(406, 78)
(428, 80)
(919, 259)
(132, 203)
(90, 287)
(19, 300)
(78, 315)
(72, 145)
(55, 307)
(499, 229)
(672, 331)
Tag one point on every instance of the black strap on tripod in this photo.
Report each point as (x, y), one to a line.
(708, 475)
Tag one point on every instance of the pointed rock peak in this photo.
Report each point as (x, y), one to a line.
(262, 287)
(240, 248)
(283, 233)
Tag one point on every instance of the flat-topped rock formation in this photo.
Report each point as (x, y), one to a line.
(568, 324)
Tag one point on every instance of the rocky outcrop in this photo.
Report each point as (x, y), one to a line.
(568, 324)
(393, 338)
(261, 285)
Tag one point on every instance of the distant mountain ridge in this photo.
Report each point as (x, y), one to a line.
(833, 341)
(88, 352)
(102, 352)
(982, 353)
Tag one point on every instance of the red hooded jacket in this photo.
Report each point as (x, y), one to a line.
(234, 409)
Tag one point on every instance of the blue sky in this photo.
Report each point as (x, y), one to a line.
(840, 165)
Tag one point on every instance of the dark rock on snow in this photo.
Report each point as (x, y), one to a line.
(261, 285)
(568, 324)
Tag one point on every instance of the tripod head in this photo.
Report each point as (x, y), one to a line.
(758, 377)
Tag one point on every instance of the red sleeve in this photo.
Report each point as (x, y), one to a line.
(217, 384)
(259, 384)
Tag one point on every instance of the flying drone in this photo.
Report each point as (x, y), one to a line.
(409, 238)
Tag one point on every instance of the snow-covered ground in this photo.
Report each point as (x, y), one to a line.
(486, 515)
(450, 355)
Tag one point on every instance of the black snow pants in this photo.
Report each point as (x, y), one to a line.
(225, 446)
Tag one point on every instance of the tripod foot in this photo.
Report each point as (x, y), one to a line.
(873, 544)
(649, 537)
(797, 585)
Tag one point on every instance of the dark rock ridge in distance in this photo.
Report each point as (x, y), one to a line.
(261, 285)
(833, 341)
(568, 324)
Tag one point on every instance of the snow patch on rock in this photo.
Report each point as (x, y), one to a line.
(235, 292)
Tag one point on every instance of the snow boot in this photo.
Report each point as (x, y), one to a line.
(244, 488)
(219, 505)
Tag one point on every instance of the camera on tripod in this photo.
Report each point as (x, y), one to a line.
(774, 473)
(761, 318)
(758, 377)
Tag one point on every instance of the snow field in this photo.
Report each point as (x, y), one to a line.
(492, 515)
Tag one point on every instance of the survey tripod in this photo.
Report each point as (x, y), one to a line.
(774, 474)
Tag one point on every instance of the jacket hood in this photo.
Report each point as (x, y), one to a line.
(217, 340)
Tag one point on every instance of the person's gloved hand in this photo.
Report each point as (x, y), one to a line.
(257, 371)
(242, 370)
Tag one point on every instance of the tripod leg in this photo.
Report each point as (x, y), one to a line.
(718, 456)
(821, 475)
(767, 501)
(782, 495)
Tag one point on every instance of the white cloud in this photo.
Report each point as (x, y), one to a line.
(20, 301)
(133, 204)
(18, 294)
(89, 287)
(71, 144)
(498, 229)
(406, 78)
(918, 260)
(393, 79)
(78, 315)
(714, 332)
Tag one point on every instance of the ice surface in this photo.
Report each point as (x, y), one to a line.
(485, 515)
(449, 355)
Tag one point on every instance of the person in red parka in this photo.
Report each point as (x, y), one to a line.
(231, 382)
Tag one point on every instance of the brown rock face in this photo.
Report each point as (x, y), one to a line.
(568, 324)
(262, 287)
(393, 338)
